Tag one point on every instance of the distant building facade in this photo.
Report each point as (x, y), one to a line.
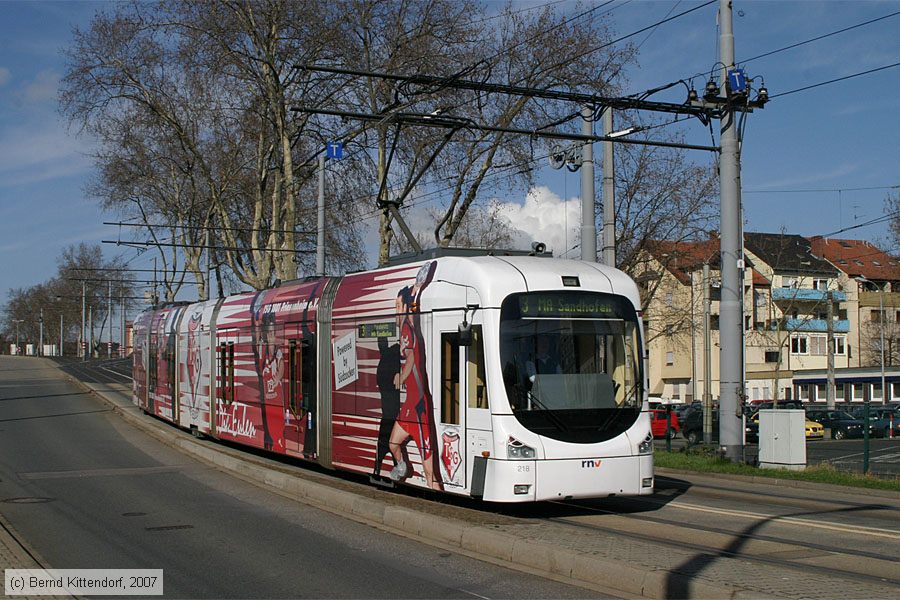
(788, 283)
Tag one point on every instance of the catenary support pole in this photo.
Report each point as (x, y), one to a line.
(731, 385)
(588, 221)
(109, 322)
(707, 360)
(61, 340)
(609, 194)
(83, 339)
(320, 219)
(829, 391)
(208, 280)
(40, 351)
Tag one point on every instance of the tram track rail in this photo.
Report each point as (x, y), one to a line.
(739, 538)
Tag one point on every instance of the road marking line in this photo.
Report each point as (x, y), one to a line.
(860, 529)
(102, 472)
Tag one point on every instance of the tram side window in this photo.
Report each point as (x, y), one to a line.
(170, 367)
(300, 372)
(450, 378)
(226, 372)
(151, 365)
(477, 391)
(295, 383)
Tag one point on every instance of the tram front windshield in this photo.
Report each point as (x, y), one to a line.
(571, 363)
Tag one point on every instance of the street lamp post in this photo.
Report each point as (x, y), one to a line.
(862, 279)
(17, 321)
(62, 344)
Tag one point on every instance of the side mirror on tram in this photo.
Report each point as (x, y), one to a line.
(465, 334)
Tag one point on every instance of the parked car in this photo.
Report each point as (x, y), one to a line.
(812, 428)
(842, 424)
(658, 424)
(881, 420)
(682, 410)
(756, 405)
(692, 428)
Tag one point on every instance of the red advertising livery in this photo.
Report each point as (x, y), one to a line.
(498, 377)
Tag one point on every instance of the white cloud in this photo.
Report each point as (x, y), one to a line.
(43, 88)
(545, 217)
(4, 76)
(30, 154)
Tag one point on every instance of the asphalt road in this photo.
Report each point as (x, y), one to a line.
(85, 490)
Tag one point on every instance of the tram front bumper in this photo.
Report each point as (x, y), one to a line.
(537, 480)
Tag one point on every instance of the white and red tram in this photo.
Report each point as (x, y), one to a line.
(506, 378)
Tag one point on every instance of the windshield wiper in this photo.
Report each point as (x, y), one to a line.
(551, 415)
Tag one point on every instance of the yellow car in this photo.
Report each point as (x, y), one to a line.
(814, 431)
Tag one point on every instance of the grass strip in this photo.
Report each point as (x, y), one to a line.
(704, 460)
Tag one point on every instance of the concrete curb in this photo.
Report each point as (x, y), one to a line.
(789, 483)
(479, 541)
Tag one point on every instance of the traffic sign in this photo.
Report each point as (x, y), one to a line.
(334, 150)
(737, 81)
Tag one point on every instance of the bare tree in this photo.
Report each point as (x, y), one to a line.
(77, 266)
(214, 83)
(540, 49)
(872, 331)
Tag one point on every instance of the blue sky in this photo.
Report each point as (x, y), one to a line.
(842, 136)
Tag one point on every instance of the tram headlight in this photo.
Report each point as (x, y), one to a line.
(516, 449)
(646, 447)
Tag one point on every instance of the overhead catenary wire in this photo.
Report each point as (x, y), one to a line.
(794, 45)
(821, 190)
(830, 81)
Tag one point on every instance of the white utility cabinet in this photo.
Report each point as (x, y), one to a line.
(782, 439)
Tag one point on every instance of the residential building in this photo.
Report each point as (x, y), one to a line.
(870, 278)
(788, 285)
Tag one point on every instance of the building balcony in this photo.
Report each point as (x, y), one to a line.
(876, 299)
(816, 325)
(805, 295)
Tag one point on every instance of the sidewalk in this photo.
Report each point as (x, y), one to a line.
(12, 554)
(599, 560)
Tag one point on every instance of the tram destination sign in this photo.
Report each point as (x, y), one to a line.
(377, 330)
(566, 304)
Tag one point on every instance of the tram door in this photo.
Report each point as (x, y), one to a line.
(300, 390)
(152, 358)
(450, 401)
(479, 438)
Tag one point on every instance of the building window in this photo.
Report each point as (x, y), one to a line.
(875, 316)
(857, 393)
(803, 391)
(771, 356)
(759, 298)
(876, 392)
(820, 284)
(839, 391)
(895, 391)
(788, 282)
(819, 345)
(670, 300)
(670, 358)
(821, 392)
(840, 345)
(668, 330)
(799, 344)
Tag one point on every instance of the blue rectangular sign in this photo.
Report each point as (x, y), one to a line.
(334, 150)
(737, 81)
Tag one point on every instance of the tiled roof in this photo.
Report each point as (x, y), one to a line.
(680, 258)
(758, 279)
(857, 257)
(787, 253)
